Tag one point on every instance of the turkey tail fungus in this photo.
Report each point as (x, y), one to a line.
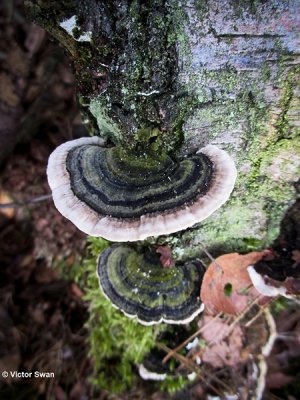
(137, 284)
(127, 197)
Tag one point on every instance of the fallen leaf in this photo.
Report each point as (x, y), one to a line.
(34, 39)
(7, 212)
(166, 258)
(226, 286)
(8, 91)
(296, 255)
(76, 290)
(277, 380)
(17, 62)
(59, 393)
(78, 391)
(221, 349)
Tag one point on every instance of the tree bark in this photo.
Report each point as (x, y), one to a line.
(183, 74)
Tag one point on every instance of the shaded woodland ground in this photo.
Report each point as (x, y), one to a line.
(42, 314)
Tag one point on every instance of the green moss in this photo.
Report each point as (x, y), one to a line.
(213, 123)
(258, 204)
(173, 384)
(108, 128)
(266, 72)
(227, 230)
(152, 144)
(185, 109)
(276, 167)
(267, 162)
(228, 78)
(281, 304)
(289, 102)
(178, 35)
(252, 244)
(117, 344)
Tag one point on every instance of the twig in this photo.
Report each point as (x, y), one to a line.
(178, 348)
(295, 300)
(242, 315)
(287, 336)
(260, 312)
(192, 366)
(33, 200)
(236, 320)
(212, 259)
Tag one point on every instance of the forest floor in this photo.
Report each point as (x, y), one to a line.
(42, 313)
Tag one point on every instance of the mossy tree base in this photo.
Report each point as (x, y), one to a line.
(186, 74)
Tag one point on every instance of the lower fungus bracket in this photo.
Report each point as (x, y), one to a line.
(138, 285)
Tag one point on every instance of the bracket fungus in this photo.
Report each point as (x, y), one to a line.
(138, 285)
(273, 279)
(109, 193)
(149, 375)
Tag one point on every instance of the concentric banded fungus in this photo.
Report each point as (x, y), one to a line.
(148, 375)
(137, 284)
(273, 280)
(106, 193)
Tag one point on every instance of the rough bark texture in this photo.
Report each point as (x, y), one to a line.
(181, 74)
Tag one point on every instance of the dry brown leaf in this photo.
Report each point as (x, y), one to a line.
(9, 363)
(166, 257)
(7, 212)
(59, 393)
(76, 290)
(78, 391)
(45, 274)
(226, 286)
(7, 91)
(296, 255)
(17, 62)
(222, 349)
(278, 380)
(34, 39)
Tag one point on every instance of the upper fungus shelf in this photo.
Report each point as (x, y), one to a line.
(106, 192)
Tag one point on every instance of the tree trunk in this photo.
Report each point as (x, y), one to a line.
(183, 74)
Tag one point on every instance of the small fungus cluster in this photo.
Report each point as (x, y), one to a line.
(106, 192)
